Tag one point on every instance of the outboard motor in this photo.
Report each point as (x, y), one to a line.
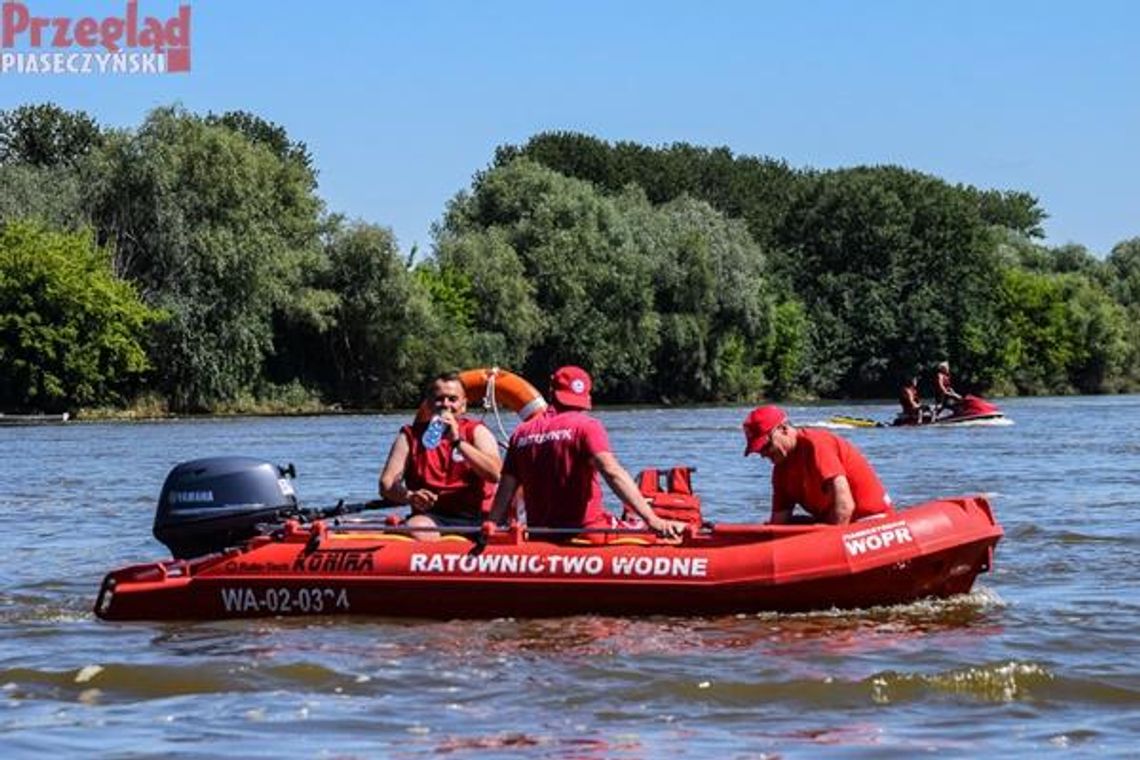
(210, 504)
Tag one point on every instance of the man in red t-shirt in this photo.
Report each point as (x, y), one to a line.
(815, 469)
(452, 483)
(556, 459)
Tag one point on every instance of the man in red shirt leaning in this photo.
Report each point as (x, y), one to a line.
(556, 459)
(814, 468)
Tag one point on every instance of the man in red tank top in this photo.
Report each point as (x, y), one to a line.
(451, 484)
(815, 469)
(556, 459)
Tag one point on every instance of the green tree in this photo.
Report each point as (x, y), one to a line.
(273, 136)
(1100, 331)
(45, 135)
(1063, 333)
(591, 281)
(388, 332)
(1013, 210)
(1123, 265)
(890, 267)
(218, 231)
(54, 195)
(714, 300)
(757, 190)
(1034, 321)
(670, 301)
(47, 160)
(895, 268)
(71, 334)
(1074, 258)
(502, 314)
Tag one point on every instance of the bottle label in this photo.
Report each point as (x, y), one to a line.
(433, 434)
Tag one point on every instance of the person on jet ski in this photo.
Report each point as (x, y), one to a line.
(914, 412)
(945, 396)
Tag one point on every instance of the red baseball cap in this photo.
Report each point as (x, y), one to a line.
(759, 424)
(571, 387)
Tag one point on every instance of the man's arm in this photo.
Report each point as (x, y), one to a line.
(483, 454)
(624, 488)
(508, 484)
(782, 508)
(392, 473)
(842, 502)
(392, 486)
(947, 389)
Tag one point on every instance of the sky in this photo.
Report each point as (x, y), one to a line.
(400, 103)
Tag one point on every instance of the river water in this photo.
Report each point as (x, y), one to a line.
(1042, 657)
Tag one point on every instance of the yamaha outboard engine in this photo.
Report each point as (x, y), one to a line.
(210, 504)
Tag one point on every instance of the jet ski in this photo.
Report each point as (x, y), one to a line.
(972, 410)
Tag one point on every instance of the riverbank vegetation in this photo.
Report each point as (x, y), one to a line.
(189, 265)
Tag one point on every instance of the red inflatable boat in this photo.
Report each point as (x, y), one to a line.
(358, 567)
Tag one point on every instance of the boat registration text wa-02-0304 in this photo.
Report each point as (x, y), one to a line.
(285, 601)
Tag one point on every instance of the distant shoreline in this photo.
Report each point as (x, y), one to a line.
(147, 415)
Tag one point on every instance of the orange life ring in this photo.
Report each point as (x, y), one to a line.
(511, 392)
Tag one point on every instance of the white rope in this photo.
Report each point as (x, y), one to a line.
(489, 402)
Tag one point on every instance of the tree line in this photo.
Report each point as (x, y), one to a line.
(189, 264)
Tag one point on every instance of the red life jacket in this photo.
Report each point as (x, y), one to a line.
(444, 470)
(674, 501)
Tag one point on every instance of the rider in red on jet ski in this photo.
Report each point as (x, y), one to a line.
(945, 396)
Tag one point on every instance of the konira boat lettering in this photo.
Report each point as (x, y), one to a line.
(560, 564)
(334, 561)
(877, 538)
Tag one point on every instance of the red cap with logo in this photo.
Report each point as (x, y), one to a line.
(571, 387)
(758, 426)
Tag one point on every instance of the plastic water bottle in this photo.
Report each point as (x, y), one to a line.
(433, 434)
